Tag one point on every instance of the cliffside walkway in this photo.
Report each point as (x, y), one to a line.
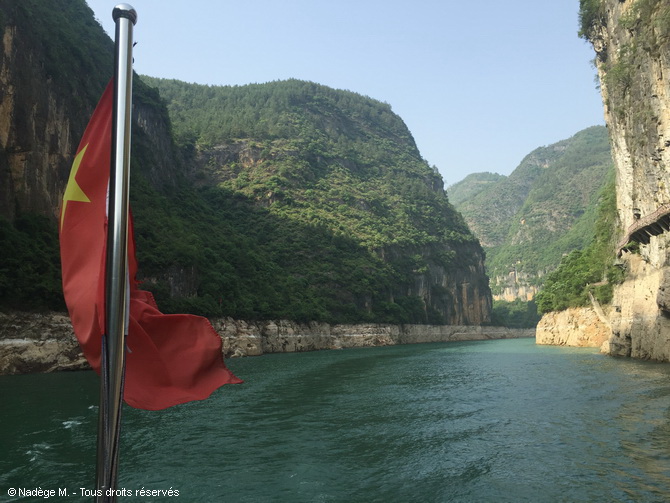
(641, 231)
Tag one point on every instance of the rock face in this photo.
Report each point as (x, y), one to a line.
(579, 327)
(640, 322)
(45, 342)
(32, 342)
(242, 338)
(461, 295)
(35, 135)
(632, 43)
(516, 285)
(42, 116)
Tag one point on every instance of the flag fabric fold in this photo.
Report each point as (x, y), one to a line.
(170, 358)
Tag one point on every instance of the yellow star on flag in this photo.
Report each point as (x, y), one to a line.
(73, 191)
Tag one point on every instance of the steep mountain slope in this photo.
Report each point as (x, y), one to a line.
(55, 62)
(50, 81)
(311, 205)
(473, 184)
(342, 164)
(543, 210)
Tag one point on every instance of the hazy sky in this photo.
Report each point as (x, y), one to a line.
(480, 84)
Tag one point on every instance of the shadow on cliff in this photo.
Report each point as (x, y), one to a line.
(214, 252)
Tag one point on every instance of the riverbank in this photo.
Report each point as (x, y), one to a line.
(45, 342)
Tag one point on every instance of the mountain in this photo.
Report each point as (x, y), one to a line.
(468, 188)
(281, 200)
(543, 210)
(344, 167)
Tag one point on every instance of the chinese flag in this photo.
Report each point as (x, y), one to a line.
(170, 359)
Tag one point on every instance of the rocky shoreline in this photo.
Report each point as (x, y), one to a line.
(45, 342)
(636, 324)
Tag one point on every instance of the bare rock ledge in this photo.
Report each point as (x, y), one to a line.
(45, 342)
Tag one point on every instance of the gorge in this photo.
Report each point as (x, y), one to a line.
(315, 206)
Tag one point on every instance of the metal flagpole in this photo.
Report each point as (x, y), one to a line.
(116, 280)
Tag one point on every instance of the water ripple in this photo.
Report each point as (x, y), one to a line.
(503, 421)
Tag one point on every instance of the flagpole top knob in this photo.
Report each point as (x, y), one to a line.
(124, 10)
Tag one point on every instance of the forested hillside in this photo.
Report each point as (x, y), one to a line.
(336, 193)
(473, 184)
(281, 200)
(316, 155)
(591, 271)
(544, 209)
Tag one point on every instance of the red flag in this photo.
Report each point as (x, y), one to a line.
(170, 358)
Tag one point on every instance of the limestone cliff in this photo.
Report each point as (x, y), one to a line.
(48, 91)
(40, 122)
(640, 322)
(579, 327)
(516, 285)
(631, 39)
(632, 44)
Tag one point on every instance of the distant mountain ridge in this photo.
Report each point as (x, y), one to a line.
(544, 209)
(473, 184)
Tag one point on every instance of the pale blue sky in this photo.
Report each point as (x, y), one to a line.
(480, 84)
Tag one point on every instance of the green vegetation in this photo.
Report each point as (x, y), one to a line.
(280, 200)
(246, 263)
(321, 156)
(559, 212)
(327, 212)
(75, 52)
(540, 213)
(545, 209)
(591, 270)
(515, 314)
(30, 264)
(471, 186)
(299, 110)
(618, 79)
(591, 16)
(648, 21)
(67, 49)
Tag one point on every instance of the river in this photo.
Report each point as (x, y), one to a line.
(486, 421)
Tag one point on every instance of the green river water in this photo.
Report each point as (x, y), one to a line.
(486, 421)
